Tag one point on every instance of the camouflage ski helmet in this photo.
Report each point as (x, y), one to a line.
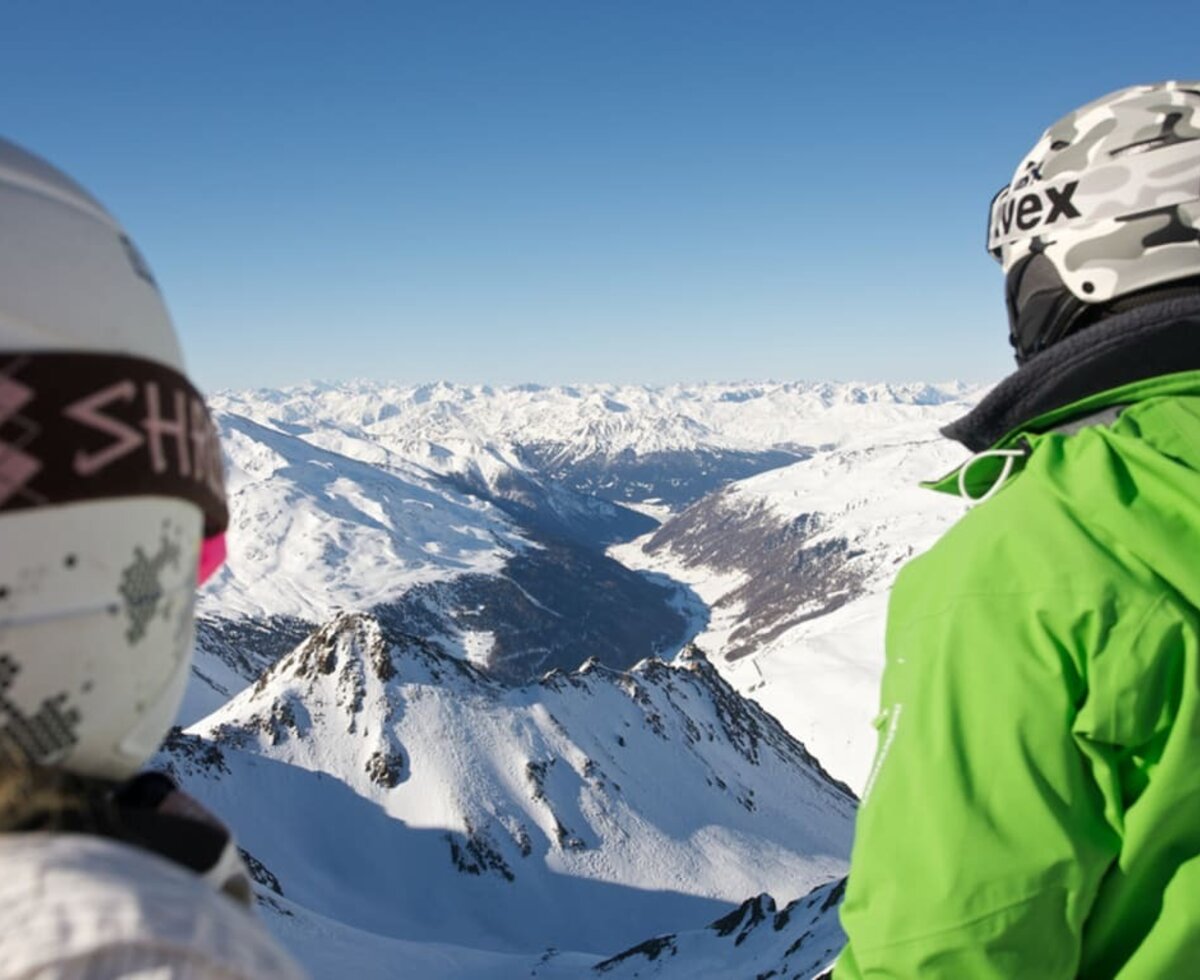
(1105, 206)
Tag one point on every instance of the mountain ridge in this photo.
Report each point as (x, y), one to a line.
(511, 804)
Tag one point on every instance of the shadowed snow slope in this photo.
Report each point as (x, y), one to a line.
(399, 791)
(756, 939)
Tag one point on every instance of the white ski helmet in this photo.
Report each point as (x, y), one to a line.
(1103, 209)
(111, 494)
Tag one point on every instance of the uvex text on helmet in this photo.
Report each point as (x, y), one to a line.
(1106, 204)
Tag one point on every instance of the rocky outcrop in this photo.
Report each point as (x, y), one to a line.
(796, 568)
(798, 942)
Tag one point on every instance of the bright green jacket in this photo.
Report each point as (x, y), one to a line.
(1034, 810)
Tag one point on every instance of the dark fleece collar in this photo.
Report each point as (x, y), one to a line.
(130, 813)
(1151, 340)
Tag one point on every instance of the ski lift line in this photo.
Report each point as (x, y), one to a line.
(535, 602)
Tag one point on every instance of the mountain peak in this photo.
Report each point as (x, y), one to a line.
(521, 785)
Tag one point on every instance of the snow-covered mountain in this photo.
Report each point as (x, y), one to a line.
(383, 784)
(314, 532)
(596, 419)
(392, 662)
(479, 515)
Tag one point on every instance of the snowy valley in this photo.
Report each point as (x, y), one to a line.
(557, 682)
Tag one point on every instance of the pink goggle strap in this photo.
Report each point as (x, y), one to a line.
(212, 557)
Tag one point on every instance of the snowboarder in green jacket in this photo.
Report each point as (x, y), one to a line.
(1034, 808)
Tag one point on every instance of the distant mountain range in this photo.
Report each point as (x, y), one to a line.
(456, 652)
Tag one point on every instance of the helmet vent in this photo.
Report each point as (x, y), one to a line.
(1168, 137)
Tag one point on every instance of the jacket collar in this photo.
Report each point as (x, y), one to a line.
(1124, 358)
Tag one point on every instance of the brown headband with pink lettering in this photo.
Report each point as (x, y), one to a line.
(83, 426)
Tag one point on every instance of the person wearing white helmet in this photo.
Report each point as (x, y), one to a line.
(112, 510)
(1034, 808)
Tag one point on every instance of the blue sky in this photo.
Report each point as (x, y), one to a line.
(496, 191)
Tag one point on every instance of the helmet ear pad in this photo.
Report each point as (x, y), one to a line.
(1041, 309)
